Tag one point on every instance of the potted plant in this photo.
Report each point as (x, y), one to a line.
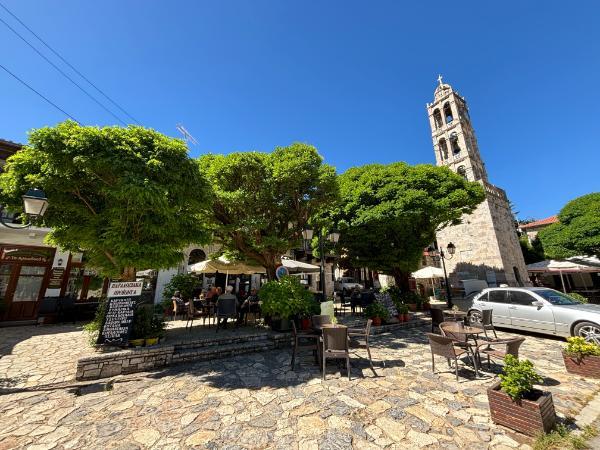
(377, 312)
(412, 299)
(141, 327)
(403, 315)
(284, 299)
(308, 308)
(582, 357)
(156, 330)
(515, 403)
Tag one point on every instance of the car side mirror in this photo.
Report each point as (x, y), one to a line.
(537, 303)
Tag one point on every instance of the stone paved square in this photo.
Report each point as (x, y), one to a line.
(255, 401)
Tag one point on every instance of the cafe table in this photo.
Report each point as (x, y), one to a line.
(456, 315)
(461, 334)
(319, 330)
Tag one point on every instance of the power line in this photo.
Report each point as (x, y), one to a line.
(38, 93)
(62, 72)
(69, 64)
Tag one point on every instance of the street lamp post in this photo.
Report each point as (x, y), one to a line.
(35, 205)
(451, 248)
(333, 236)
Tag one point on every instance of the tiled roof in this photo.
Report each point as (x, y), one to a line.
(540, 223)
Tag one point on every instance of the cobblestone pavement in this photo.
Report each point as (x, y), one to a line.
(256, 401)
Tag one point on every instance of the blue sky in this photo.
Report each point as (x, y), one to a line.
(351, 78)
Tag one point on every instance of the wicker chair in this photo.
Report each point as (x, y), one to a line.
(359, 339)
(461, 340)
(335, 346)
(192, 313)
(444, 346)
(437, 317)
(304, 340)
(498, 349)
(226, 309)
(485, 324)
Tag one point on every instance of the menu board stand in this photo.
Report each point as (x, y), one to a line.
(120, 311)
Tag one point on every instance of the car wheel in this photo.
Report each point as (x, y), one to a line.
(475, 317)
(589, 331)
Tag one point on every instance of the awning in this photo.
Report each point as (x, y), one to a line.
(428, 272)
(294, 266)
(223, 265)
(563, 266)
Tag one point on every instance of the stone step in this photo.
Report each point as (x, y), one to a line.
(221, 351)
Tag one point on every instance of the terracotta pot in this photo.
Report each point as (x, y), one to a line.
(530, 417)
(304, 324)
(406, 317)
(412, 306)
(588, 366)
(376, 321)
(426, 306)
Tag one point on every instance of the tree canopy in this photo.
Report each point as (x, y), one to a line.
(577, 231)
(262, 201)
(389, 213)
(127, 197)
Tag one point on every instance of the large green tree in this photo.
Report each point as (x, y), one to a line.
(389, 213)
(128, 197)
(262, 201)
(577, 231)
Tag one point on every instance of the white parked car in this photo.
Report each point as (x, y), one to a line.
(346, 285)
(538, 309)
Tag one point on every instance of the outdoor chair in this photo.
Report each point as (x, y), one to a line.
(498, 349)
(178, 309)
(437, 317)
(304, 340)
(444, 346)
(335, 346)
(485, 324)
(460, 340)
(192, 313)
(226, 309)
(359, 339)
(317, 321)
(254, 309)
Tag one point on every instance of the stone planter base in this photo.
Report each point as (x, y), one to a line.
(527, 417)
(588, 366)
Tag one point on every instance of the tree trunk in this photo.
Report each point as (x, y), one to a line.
(270, 268)
(128, 274)
(401, 280)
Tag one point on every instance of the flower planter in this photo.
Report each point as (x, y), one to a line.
(376, 321)
(412, 307)
(304, 324)
(527, 416)
(151, 341)
(136, 342)
(588, 366)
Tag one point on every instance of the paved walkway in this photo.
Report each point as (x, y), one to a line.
(255, 401)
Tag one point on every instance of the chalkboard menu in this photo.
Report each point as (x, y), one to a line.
(120, 312)
(386, 300)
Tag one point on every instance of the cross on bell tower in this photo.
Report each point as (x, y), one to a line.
(453, 136)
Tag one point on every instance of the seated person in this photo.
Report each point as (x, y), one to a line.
(178, 303)
(251, 302)
(224, 302)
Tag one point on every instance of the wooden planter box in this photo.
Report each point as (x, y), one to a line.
(588, 366)
(527, 417)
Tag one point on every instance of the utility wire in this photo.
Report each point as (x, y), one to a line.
(38, 93)
(69, 64)
(62, 72)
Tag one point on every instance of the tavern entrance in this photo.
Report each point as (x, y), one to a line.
(24, 274)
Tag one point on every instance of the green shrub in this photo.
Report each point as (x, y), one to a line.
(185, 283)
(411, 297)
(286, 298)
(93, 328)
(518, 377)
(578, 297)
(579, 348)
(403, 309)
(376, 309)
(142, 323)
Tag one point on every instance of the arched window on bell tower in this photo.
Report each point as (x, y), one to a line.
(454, 143)
(443, 149)
(448, 113)
(437, 118)
(462, 172)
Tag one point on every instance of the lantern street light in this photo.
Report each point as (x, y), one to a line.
(333, 237)
(35, 205)
(451, 248)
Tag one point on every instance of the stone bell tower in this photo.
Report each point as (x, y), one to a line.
(486, 241)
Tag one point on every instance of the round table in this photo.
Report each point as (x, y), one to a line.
(456, 315)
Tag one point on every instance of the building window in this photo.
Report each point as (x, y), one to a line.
(437, 118)
(454, 144)
(443, 146)
(462, 172)
(197, 255)
(448, 113)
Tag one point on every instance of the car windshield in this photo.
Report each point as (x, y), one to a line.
(556, 298)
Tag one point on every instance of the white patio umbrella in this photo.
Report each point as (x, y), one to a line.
(222, 264)
(429, 273)
(560, 267)
(294, 266)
